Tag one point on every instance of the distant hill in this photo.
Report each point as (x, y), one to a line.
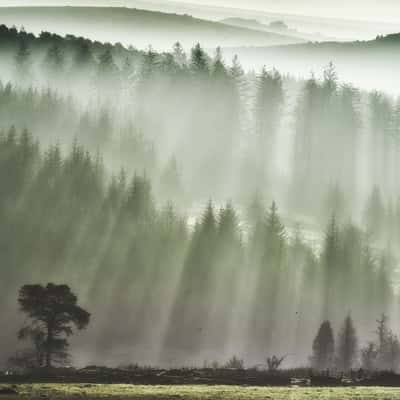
(339, 28)
(139, 28)
(244, 22)
(274, 28)
(372, 64)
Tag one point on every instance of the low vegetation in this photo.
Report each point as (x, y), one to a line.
(55, 392)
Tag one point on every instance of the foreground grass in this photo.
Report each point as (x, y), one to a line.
(114, 392)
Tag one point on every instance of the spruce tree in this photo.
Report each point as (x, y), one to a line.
(198, 60)
(323, 348)
(346, 347)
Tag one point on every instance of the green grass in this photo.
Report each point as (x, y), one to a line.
(81, 391)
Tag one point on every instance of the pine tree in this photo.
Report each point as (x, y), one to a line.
(149, 64)
(330, 78)
(380, 117)
(267, 114)
(22, 57)
(236, 71)
(198, 61)
(346, 348)
(375, 213)
(305, 144)
(83, 55)
(228, 225)
(388, 346)
(323, 348)
(139, 203)
(330, 263)
(275, 233)
(55, 57)
(179, 54)
(106, 62)
(218, 68)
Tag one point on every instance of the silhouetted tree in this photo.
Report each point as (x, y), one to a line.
(330, 261)
(346, 347)
(55, 57)
(83, 55)
(53, 311)
(323, 348)
(388, 346)
(267, 113)
(22, 57)
(179, 54)
(274, 362)
(198, 60)
(375, 213)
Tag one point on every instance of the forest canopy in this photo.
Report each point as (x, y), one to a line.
(198, 209)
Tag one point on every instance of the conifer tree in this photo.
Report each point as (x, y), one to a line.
(323, 348)
(179, 54)
(346, 348)
(198, 61)
(22, 57)
(267, 114)
(375, 213)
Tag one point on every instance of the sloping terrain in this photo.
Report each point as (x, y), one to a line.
(370, 65)
(138, 28)
(282, 30)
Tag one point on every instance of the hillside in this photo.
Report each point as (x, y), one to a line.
(285, 30)
(342, 29)
(139, 28)
(372, 64)
(104, 153)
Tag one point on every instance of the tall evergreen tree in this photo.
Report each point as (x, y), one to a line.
(346, 348)
(323, 348)
(198, 61)
(267, 114)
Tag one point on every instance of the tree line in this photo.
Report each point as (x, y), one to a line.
(168, 286)
(53, 312)
(345, 353)
(108, 159)
(217, 123)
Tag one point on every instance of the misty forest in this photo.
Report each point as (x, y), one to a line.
(198, 210)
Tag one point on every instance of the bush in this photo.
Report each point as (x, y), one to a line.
(235, 363)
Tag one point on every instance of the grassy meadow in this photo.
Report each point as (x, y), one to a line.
(89, 391)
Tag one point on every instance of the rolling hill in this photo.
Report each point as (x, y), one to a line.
(372, 64)
(257, 25)
(139, 28)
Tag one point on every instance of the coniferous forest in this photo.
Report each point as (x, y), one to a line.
(198, 210)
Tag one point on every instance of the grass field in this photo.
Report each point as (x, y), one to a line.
(81, 391)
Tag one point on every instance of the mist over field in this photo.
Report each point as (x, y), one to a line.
(207, 187)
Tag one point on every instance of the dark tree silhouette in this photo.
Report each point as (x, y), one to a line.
(388, 346)
(53, 311)
(346, 346)
(274, 362)
(323, 347)
(198, 60)
(22, 56)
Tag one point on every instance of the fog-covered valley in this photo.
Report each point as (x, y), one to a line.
(200, 204)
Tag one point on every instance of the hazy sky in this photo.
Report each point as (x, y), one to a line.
(345, 8)
(384, 10)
